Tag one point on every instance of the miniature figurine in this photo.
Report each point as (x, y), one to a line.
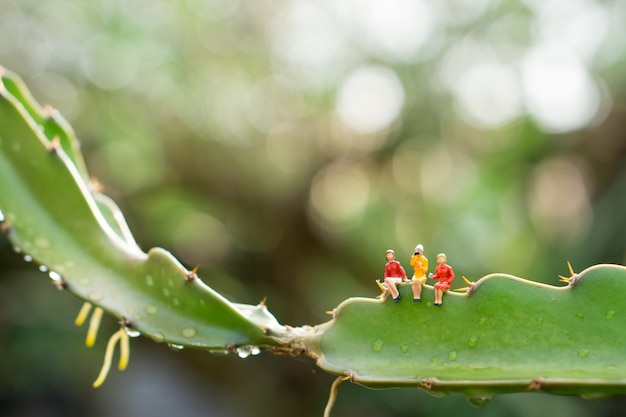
(445, 275)
(394, 274)
(420, 265)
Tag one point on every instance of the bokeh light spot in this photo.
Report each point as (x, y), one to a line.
(339, 195)
(370, 99)
(558, 90)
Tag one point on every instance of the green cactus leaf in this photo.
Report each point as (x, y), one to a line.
(52, 217)
(506, 335)
(51, 123)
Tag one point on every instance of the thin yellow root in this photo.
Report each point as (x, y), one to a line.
(94, 325)
(333, 394)
(124, 351)
(82, 314)
(108, 356)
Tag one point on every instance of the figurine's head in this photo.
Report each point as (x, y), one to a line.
(390, 254)
(419, 249)
(441, 258)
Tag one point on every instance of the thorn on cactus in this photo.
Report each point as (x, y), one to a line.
(55, 145)
(192, 275)
(49, 111)
(571, 280)
(5, 226)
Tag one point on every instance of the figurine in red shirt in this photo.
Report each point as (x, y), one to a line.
(394, 274)
(445, 275)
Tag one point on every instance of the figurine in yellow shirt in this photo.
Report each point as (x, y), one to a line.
(420, 265)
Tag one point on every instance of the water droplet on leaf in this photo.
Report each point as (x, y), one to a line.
(189, 332)
(43, 268)
(132, 332)
(610, 314)
(158, 337)
(377, 346)
(472, 341)
(583, 353)
(95, 296)
(480, 401)
(149, 280)
(175, 347)
(152, 309)
(404, 348)
(244, 351)
(28, 258)
(452, 355)
(54, 276)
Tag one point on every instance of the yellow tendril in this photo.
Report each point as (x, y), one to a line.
(333, 394)
(94, 325)
(82, 314)
(108, 356)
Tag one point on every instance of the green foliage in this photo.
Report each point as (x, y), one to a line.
(504, 335)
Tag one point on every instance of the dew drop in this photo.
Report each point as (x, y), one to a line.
(131, 332)
(244, 351)
(435, 359)
(43, 268)
(42, 242)
(158, 337)
(55, 276)
(482, 321)
(152, 309)
(189, 332)
(17, 249)
(2, 218)
(95, 296)
(255, 350)
(149, 280)
(610, 314)
(404, 348)
(480, 401)
(452, 355)
(28, 258)
(580, 316)
(377, 346)
(166, 292)
(219, 352)
(583, 353)
(176, 301)
(472, 341)
(175, 347)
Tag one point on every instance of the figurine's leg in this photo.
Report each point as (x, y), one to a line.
(438, 296)
(416, 285)
(391, 286)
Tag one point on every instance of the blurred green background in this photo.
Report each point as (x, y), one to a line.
(282, 146)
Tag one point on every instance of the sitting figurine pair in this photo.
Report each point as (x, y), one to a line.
(395, 274)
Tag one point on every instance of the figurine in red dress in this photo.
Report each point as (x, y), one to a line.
(394, 274)
(445, 275)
